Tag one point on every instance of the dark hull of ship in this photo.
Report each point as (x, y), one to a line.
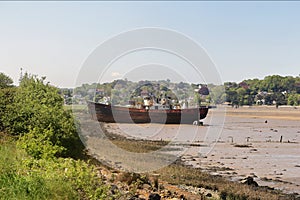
(112, 114)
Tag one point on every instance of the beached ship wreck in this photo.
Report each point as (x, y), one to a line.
(152, 110)
(110, 113)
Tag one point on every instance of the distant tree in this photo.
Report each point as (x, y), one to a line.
(232, 96)
(218, 94)
(181, 85)
(254, 84)
(280, 99)
(246, 92)
(297, 85)
(276, 83)
(269, 98)
(288, 84)
(241, 92)
(294, 99)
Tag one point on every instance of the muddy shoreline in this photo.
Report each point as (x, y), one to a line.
(260, 142)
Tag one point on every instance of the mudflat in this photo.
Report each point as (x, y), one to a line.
(271, 112)
(261, 142)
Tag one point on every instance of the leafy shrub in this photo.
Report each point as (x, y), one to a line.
(14, 186)
(37, 116)
(23, 177)
(6, 98)
(79, 175)
(5, 81)
(38, 145)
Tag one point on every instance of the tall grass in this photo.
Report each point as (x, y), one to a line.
(22, 177)
(15, 183)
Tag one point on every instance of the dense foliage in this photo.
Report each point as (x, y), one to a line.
(7, 92)
(5, 81)
(23, 177)
(122, 91)
(35, 113)
(6, 99)
(40, 146)
(273, 89)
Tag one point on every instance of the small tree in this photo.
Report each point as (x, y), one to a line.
(294, 99)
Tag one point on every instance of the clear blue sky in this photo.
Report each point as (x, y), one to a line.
(244, 39)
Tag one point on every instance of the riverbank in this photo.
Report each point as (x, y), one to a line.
(175, 181)
(187, 173)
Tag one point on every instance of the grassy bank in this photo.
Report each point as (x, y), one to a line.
(23, 177)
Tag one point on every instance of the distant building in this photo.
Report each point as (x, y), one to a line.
(91, 91)
(100, 92)
(144, 93)
(244, 85)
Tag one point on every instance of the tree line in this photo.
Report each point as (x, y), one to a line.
(122, 91)
(272, 90)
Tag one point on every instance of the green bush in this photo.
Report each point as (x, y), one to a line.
(5, 81)
(6, 98)
(80, 177)
(23, 177)
(47, 132)
(38, 145)
(36, 114)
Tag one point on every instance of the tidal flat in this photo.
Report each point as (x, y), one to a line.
(260, 142)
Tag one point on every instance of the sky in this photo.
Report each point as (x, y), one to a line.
(243, 39)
